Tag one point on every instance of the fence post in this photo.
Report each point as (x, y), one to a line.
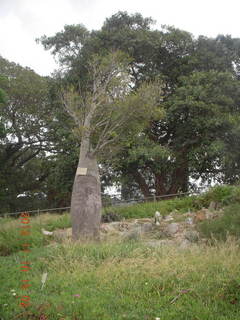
(154, 198)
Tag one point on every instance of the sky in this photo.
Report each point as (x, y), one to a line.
(22, 21)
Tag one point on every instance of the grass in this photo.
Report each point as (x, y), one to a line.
(223, 195)
(227, 224)
(148, 209)
(114, 281)
(10, 231)
(126, 280)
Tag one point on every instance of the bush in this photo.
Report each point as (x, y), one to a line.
(228, 224)
(110, 216)
(223, 195)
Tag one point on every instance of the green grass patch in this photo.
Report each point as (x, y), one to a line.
(222, 195)
(143, 210)
(120, 281)
(12, 239)
(220, 228)
(126, 280)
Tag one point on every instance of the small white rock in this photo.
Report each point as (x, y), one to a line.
(189, 220)
(47, 233)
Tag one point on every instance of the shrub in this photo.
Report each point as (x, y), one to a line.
(110, 216)
(228, 224)
(223, 195)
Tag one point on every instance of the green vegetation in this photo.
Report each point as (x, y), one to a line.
(227, 197)
(124, 281)
(227, 225)
(193, 133)
(223, 195)
(39, 143)
(143, 210)
(10, 231)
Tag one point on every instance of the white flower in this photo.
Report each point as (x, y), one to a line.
(146, 283)
(157, 319)
(14, 293)
(5, 304)
(12, 290)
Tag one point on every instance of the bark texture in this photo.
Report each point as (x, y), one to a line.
(86, 208)
(86, 198)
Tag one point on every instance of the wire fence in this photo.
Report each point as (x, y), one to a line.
(110, 200)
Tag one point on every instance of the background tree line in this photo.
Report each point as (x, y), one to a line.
(194, 136)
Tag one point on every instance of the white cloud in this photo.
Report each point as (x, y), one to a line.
(22, 21)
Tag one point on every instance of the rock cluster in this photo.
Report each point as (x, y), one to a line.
(175, 228)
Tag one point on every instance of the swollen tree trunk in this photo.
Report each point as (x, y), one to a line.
(86, 197)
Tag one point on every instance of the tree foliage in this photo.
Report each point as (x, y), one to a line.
(192, 134)
(172, 151)
(25, 138)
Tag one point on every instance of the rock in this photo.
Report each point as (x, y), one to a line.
(204, 214)
(172, 228)
(200, 216)
(157, 218)
(189, 220)
(62, 234)
(143, 220)
(146, 227)
(210, 215)
(168, 218)
(213, 205)
(134, 234)
(123, 226)
(158, 243)
(47, 233)
(185, 244)
(104, 228)
(107, 227)
(192, 236)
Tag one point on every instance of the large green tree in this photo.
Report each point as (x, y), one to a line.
(190, 141)
(167, 155)
(103, 109)
(104, 114)
(24, 138)
(155, 161)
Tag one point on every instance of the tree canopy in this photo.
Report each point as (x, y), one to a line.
(191, 136)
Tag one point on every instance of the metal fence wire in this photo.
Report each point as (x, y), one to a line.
(110, 200)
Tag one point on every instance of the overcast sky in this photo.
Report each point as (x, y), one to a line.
(22, 21)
